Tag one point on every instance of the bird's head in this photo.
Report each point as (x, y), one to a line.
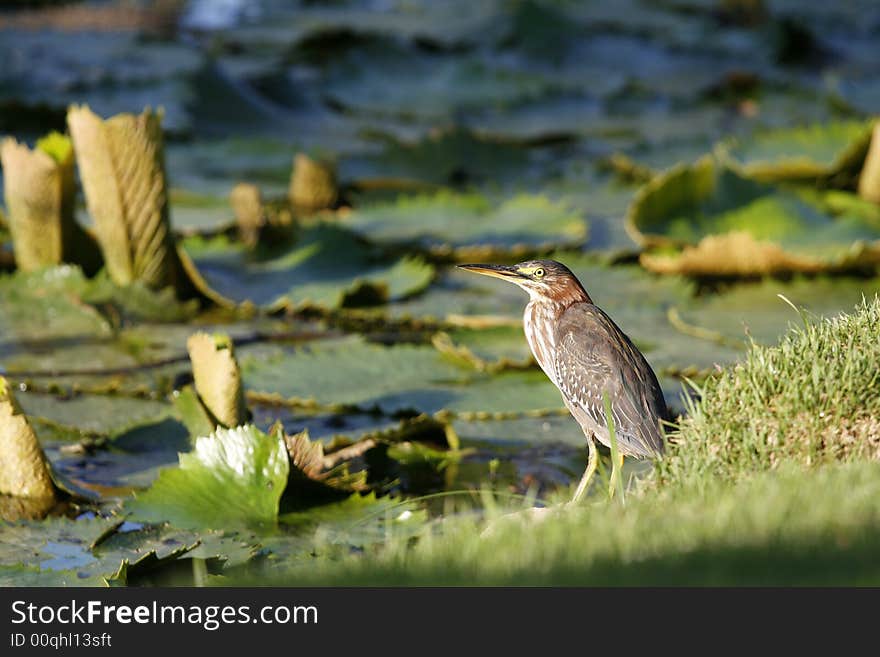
(544, 280)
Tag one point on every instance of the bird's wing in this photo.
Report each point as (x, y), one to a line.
(593, 355)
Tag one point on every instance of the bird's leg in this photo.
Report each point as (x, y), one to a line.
(592, 461)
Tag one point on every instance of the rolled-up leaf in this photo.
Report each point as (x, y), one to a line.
(39, 188)
(312, 184)
(24, 471)
(869, 180)
(218, 378)
(122, 167)
(250, 216)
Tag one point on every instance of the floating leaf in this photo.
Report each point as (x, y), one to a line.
(328, 267)
(469, 223)
(82, 416)
(756, 311)
(447, 157)
(800, 154)
(47, 324)
(353, 374)
(735, 226)
(233, 476)
(101, 551)
(386, 79)
(488, 349)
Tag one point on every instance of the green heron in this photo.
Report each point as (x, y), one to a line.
(588, 357)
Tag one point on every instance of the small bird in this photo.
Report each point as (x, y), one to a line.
(586, 355)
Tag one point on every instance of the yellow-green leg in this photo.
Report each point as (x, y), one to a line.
(592, 461)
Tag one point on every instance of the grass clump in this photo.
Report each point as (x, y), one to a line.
(812, 399)
(787, 527)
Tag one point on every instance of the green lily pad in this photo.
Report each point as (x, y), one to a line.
(467, 223)
(798, 154)
(233, 476)
(443, 157)
(91, 551)
(757, 312)
(350, 373)
(112, 71)
(56, 319)
(327, 267)
(488, 349)
(89, 415)
(384, 78)
(193, 212)
(732, 225)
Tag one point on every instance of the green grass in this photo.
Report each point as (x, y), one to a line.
(772, 479)
(813, 399)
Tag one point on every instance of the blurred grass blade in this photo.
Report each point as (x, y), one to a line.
(616, 466)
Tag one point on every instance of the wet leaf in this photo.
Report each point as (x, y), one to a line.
(734, 226)
(444, 157)
(756, 310)
(327, 267)
(465, 223)
(82, 416)
(101, 551)
(801, 154)
(488, 349)
(234, 476)
(384, 78)
(352, 374)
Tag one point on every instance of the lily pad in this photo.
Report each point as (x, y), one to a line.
(90, 551)
(443, 157)
(488, 349)
(233, 476)
(470, 223)
(56, 319)
(327, 267)
(111, 71)
(801, 154)
(352, 374)
(729, 225)
(387, 78)
(757, 312)
(89, 415)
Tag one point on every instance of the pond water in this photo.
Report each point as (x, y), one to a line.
(499, 129)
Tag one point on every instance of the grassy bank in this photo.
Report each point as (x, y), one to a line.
(772, 479)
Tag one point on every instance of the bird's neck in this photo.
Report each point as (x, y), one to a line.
(539, 322)
(571, 293)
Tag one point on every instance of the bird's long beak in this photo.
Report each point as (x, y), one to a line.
(498, 271)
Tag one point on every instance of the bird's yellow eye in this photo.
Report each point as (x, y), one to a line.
(539, 273)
